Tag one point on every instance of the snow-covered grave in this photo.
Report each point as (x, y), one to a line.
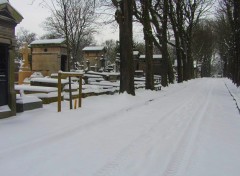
(187, 129)
(34, 89)
(27, 102)
(47, 82)
(94, 83)
(46, 94)
(109, 76)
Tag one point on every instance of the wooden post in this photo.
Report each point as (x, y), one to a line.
(80, 92)
(59, 91)
(75, 103)
(69, 74)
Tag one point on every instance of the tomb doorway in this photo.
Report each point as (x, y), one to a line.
(64, 63)
(4, 66)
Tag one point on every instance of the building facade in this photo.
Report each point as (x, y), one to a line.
(157, 63)
(49, 56)
(94, 57)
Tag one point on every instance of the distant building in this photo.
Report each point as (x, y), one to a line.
(9, 18)
(94, 56)
(49, 56)
(157, 63)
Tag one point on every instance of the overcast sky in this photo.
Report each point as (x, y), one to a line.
(34, 15)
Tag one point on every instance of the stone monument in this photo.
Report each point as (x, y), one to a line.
(25, 70)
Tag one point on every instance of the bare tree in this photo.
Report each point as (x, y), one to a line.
(230, 13)
(111, 50)
(73, 20)
(157, 22)
(147, 30)
(223, 40)
(204, 45)
(24, 36)
(184, 16)
(160, 20)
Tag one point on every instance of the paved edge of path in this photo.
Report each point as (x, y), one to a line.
(234, 95)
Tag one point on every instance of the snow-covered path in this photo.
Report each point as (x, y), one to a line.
(189, 129)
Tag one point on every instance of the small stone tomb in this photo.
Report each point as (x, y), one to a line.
(25, 103)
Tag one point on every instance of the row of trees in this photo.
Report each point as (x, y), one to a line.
(166, 24)
(228, 38)
(162, 21)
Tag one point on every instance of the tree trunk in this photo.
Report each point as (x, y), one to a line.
(173, 19)
(147, 30)
(126, 48)
(179, 61)
(170, 74)
(165, 55)
(190, 59)
(237, 39)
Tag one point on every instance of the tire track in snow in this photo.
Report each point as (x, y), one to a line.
(64, 132)
(186, 143)
(115, 166)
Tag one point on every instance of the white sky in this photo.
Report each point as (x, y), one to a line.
(34, 15)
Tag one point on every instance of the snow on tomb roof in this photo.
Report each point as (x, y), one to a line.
(135, 52)
(93, 48)
(155, 56)
(48, 41)
(4, 1)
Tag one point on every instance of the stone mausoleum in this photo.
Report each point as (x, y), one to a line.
(94, 57)
(49, 56)
(157, 63)
(9, 18)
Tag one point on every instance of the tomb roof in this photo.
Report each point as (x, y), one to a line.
(48, 41)
(93, 48)
(4, 1)
(135, 52)
(155, 56)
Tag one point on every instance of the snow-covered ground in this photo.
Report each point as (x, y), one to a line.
(188, 129)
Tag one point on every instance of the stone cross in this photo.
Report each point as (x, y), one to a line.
(25, 52)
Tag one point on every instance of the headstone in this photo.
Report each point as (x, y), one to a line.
(117, 65)
(88, 65)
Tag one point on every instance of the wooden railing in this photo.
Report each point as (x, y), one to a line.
(69, 74)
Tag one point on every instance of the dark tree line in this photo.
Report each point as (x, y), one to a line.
(166, 21)
(159, 18)
(204, 46)
(163, 21)
(228, 32)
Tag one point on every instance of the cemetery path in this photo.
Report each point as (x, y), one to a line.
(187, 129)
